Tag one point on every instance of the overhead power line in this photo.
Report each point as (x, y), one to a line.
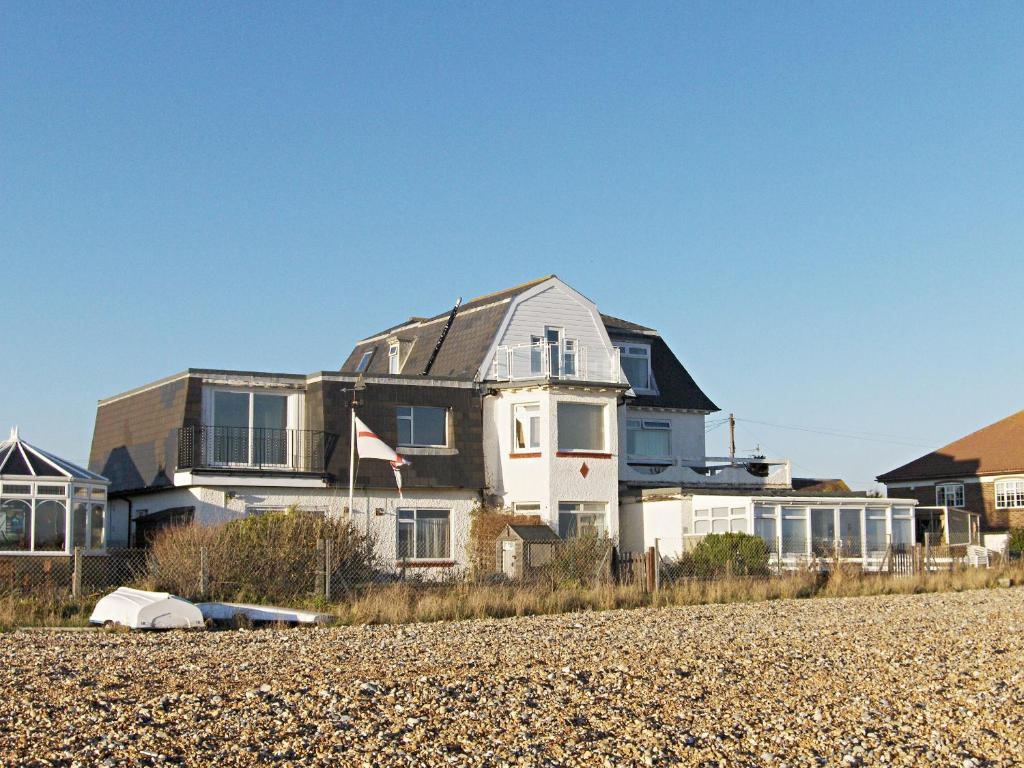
(866, 436)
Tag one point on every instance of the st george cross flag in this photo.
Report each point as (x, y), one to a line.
(370, 446)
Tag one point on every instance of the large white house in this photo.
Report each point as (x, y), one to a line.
(529, 398)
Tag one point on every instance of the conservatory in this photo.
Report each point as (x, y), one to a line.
(48, 505)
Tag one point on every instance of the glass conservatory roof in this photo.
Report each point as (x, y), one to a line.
(19, 459)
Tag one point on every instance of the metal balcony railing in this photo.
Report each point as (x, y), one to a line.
(288, 450)
(565, 360)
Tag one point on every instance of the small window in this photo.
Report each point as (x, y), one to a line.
(1009, 494)
(422, 426)
(580, 427)
(949, 495)
(51, 490)
(649, 439)
(424, 534)
(526, 426)
(364, 361)
(582, 519)
(636, 364)
(526, 507)
(394, 361)
(17, 490)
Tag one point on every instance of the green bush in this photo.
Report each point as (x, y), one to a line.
(260, 558)
(1017, 540)
(729, 554)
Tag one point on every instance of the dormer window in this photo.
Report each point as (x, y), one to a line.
(394, 359)
(636, 364)
(364, 361)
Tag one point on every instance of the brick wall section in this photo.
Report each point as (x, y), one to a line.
(327, 404)
(134, 441)
(978, 497)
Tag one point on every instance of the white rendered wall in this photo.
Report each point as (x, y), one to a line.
(549, 479)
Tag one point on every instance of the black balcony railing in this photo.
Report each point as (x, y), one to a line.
(287, 450)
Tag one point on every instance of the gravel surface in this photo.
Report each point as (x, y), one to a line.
(933, 680)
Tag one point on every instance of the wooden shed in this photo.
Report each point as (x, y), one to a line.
(522, 548)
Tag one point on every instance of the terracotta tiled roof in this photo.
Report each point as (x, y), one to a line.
(995, 449)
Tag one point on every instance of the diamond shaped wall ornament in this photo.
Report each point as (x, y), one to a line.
(584, 470)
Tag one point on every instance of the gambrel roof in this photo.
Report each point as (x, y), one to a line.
(472, 335)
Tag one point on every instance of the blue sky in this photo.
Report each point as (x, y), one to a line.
(821, 206)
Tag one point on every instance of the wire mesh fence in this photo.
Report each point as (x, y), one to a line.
(323, 561)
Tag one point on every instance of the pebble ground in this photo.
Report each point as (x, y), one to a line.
(929, 680)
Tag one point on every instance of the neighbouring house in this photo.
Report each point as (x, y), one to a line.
(982, 472)
(529, 399)
(49, 506)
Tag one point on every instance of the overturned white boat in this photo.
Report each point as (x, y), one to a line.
(139, 609)
(261, 613)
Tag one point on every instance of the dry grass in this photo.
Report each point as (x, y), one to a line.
(404, 603)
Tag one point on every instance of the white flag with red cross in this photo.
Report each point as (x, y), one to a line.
(369, 446)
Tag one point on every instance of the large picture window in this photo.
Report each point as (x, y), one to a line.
(636, 364)
(581, 427)
(526, 426)
(422, 426)
(949, 495)
(250, 428)
(424, 534)
(582, 519)
(1009, 493)
(649, 439)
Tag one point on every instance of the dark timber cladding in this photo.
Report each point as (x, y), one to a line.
(328, 409)
(134, 442)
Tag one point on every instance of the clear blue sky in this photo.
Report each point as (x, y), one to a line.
(821, 206)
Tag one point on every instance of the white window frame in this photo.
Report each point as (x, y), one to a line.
(411, 418)
(365, 360)
(604, 428)
(394, 357)
(531, 438)
(415, 511)
(581, 508)
(293, 407)
(1009, 493)
(652, 424)
(526, 507)
(942, 495)
(729, 518)
(638, 351)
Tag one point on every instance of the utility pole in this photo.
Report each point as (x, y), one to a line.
(732, 437)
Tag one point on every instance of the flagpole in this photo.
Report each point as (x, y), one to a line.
(352, 459)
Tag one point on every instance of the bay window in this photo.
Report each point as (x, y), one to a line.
(581, 427)
(422, 426)
(424, 534)
(649, 439)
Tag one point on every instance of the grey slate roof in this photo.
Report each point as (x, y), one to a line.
(473, 332)
(533, 532)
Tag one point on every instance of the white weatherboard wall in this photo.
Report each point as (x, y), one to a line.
(549, 479)
(687, 441)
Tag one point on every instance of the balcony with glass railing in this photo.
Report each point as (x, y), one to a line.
(251, 448)
(565, 360)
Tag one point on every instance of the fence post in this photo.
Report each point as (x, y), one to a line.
(204, 572)
(657, 566)
(318, 577)
(927, 549)
(650, 569)
(76, 574)
(328, 547)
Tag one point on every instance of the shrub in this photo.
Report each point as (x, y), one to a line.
(1016, 541)
(735, 554)
(262, 557)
